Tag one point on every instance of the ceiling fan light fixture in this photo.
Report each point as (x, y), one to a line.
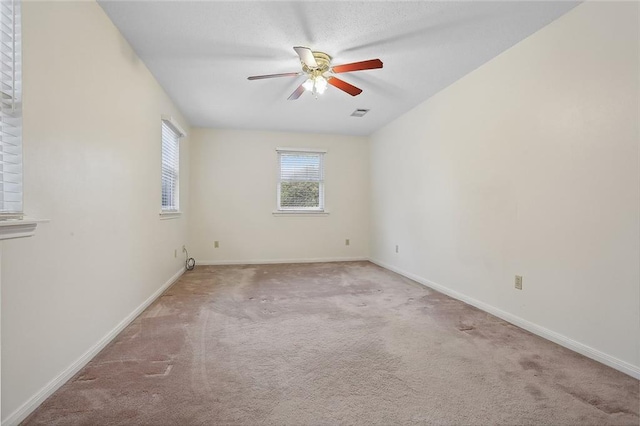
(315, 65)
(308, 85)
(321, 84)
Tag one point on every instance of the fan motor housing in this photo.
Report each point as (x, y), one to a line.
(322, 59)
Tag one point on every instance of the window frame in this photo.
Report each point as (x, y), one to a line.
(11, 114)
(13, 223)
(321, 209)
(169, 212)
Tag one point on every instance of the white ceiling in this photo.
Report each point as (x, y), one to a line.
(203, 52)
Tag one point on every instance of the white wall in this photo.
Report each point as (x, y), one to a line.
(92, 166)
(528, 166)
(234, 175)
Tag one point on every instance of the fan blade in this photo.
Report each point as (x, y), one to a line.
(296, 93)
(344, 86)
(358, 66)
(306, 56)
(286, 74)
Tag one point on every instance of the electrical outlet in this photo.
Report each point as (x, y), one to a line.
(216, 244)
(346, 242)
(397, 249)
(518, 282)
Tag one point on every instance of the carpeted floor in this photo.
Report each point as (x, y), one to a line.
(331, 343)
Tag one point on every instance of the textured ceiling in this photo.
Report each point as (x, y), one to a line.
(203, 52)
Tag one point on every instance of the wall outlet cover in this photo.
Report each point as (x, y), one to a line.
(518, 282)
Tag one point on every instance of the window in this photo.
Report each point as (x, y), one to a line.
(301, 180)
(10, 110)
(171, 134)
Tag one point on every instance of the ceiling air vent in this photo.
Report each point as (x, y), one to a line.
(359, 112)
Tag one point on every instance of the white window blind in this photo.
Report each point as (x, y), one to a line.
(10, 109)
(301, 180)
(170, 166)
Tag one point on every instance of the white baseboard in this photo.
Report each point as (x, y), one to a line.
(611, 361)
(270, 261)
(32, 403)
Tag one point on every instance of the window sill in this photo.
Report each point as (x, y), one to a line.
(170, 215)
(18, 228)
(300, 213)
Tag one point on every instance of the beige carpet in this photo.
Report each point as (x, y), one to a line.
(332, 343)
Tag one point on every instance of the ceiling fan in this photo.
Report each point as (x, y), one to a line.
(317, 67)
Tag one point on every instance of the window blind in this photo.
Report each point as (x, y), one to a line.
(10, 110)
(170, 167)
(301, 180)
